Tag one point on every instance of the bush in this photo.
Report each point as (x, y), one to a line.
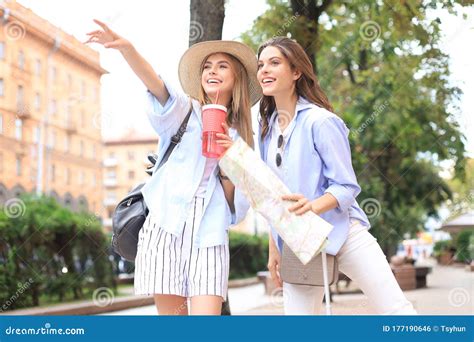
(248, 254)
(463, 246)
(443, 246)
(471, 247)
(49, 252)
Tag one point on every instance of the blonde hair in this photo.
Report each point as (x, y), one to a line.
(238, 113)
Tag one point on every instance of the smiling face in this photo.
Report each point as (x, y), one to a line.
(218, 75)
(275, 74)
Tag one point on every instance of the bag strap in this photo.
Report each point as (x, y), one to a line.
(175, 139)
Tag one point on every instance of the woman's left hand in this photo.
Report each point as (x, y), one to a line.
(224, 139)
(302, 204)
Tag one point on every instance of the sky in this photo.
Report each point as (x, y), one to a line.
(159, 31)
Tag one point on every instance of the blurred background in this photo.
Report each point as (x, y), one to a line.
(74, 139)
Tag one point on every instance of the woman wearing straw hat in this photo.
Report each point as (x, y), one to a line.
(183, 248)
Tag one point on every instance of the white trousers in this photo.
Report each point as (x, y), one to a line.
(363, 261)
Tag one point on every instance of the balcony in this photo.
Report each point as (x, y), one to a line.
(23, 110)
(110, 162)
(70, 126)
(110, 182)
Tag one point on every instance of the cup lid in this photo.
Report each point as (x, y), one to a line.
(214, 106)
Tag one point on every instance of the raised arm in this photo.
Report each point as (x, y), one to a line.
(111, 40)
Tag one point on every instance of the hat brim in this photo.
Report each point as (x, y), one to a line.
(190, 64)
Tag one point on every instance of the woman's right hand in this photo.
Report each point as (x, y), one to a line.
(274, 261)
(108, 38)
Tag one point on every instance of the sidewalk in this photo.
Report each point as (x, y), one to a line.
(449, 292)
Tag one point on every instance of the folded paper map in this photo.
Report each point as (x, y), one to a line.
(306, 234)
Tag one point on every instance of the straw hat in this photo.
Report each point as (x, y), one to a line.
(190, 64)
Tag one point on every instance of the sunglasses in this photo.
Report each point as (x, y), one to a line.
(278, 155)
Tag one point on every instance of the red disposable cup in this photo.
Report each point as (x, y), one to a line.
(213, 116)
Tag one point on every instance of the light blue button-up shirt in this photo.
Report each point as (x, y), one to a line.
(317, 157)
(170, 191)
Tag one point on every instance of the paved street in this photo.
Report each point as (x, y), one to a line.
(449, 292)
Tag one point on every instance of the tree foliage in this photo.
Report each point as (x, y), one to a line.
(383, 70)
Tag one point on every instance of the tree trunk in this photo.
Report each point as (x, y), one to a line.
(207, 20)
(312, 11)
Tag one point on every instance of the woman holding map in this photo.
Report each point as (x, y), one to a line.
(307, 146)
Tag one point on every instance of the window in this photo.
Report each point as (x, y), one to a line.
(52, 140)
(67, 143)
(53, 107)
(36, 135)
(95, 94)
(93, 151)
(1, 162)
(82, 178)
(131, 174)
(81, 145)
(69, 81)
(68, 176)
(18, 129)
(68, 114)
(83, 89)
(18, 166)
(111, 195)
(37, 101)
(131, 156)
(53, 173)
(1, 123)
(94, 180)
(83, 119)
(20, 97)
(53, 73)
(38, 67)
(111, 175)
(2, 50)
(21, 60)
(2, 89)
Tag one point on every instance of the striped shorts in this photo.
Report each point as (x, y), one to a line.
(170, 264)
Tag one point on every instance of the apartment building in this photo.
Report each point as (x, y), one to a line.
(125, 162)
(50, 136)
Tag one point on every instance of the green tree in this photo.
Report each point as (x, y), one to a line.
(462, 200)
(382, 68)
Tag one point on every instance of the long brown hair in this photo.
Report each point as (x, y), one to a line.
(307, 85)
(238, 113)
